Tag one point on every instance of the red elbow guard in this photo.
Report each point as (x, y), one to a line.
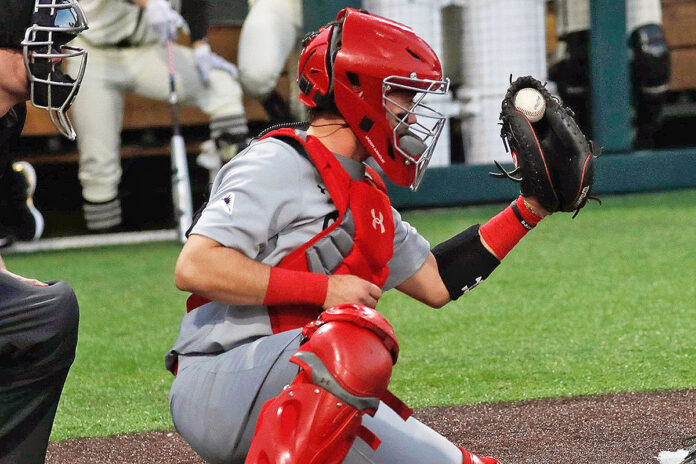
(502, 232)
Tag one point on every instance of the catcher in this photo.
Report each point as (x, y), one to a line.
(281, 356)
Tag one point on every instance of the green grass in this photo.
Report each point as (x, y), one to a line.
(602, 303)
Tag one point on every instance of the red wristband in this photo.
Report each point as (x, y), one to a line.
(503, 231)
(528, 217)
(295, 287)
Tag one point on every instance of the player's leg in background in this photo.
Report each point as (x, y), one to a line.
(270, 32)
(97, 115)
(38, 336)
(650, 67)
(570, 69)
(221, 98)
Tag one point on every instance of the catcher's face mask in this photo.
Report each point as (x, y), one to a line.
(55, 23)
(418, 126)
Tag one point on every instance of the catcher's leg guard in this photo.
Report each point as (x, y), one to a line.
(346, 363)
(471, 458)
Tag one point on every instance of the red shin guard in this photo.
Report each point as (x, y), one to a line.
(346, 366)
(304, 424)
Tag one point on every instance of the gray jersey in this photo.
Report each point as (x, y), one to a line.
(268, 201)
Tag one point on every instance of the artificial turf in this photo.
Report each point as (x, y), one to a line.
(601, 303)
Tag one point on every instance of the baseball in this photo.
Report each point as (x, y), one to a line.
(531, 103)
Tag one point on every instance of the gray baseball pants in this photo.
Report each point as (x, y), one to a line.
(216, 400)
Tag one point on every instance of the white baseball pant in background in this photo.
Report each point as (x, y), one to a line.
(270, 32)
(98, 109)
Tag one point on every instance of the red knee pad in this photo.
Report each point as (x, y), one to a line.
(355, 344)
(346, 363)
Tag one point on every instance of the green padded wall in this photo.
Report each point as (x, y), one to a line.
(316, 13)
(610, 79)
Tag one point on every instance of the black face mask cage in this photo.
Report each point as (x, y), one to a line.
(56, 22)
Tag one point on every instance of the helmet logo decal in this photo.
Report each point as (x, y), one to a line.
(377, 220)
(374, 148)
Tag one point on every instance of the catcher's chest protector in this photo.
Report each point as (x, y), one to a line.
(373, 238)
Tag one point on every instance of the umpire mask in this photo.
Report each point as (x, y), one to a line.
(54, 24)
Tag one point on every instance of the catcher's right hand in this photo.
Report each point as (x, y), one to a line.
(554, 161)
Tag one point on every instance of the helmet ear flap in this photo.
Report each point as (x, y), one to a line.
(326, 100)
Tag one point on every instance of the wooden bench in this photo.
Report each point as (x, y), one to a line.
(142, 113)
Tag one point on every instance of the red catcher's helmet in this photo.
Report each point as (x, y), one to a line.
(354, 63)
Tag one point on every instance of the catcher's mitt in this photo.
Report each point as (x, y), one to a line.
(553, 159)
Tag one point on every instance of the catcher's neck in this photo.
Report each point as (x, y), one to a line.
(335, 135)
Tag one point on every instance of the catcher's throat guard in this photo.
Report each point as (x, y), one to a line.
(345, 362)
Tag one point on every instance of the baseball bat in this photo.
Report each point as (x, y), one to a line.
(181, 184)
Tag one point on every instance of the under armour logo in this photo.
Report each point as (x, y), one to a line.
(467, 288)
(377, 221)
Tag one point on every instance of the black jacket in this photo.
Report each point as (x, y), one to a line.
(11, 126)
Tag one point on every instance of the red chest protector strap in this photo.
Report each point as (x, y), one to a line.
(373, 239)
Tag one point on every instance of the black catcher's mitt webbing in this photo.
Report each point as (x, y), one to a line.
(553, 159)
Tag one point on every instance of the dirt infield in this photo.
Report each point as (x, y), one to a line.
(605, 429)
